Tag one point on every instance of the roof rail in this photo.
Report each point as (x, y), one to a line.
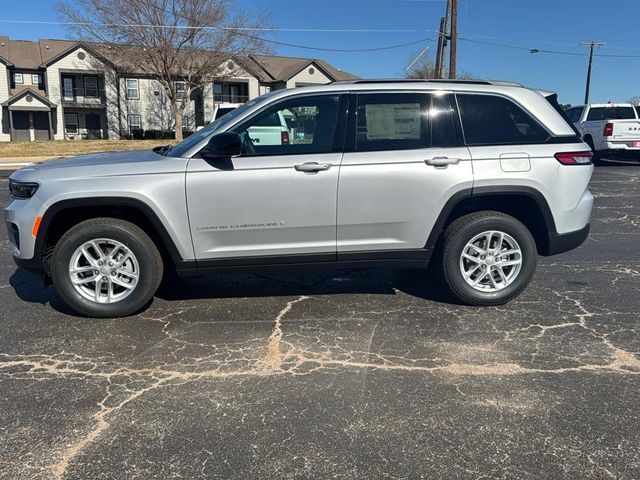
(426, 80)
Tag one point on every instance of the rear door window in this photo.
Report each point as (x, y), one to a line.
(494, 120)
(442, 127)
(391, 121)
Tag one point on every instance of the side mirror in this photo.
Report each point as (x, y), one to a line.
(222, 145)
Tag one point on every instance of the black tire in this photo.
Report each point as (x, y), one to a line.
(135, 239)
(460, 232)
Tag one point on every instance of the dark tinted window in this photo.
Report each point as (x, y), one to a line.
(637, 107)
(443, 127)
(223, 111)
(611, 113)
(309, 127)
(489, 119)
(391, 121)
(574, 114)
(272, 120)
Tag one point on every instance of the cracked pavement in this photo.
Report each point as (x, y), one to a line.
(347, 374)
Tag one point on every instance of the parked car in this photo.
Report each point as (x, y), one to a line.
(607, 127)
(477, 177)
(272, 130)
(221, 109)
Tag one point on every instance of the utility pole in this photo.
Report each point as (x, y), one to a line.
(438, 67)
(454, 38)
(592, 44)
(445, 41)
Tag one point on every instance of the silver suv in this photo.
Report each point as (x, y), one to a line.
(477, 177)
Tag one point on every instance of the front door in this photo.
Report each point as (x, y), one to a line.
(20, 127)
(94, 130)
(407, 161)
(279, 197)
(41, 125)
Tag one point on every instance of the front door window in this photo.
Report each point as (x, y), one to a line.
(299, 126)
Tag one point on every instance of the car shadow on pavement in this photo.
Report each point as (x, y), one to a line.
(30, 288)
(314, 282)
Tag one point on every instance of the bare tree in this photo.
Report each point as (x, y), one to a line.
(424, 67)
(634, 100)
(168, 40)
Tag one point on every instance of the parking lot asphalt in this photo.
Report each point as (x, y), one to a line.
(336, 374)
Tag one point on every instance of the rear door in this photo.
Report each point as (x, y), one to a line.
(403, 160)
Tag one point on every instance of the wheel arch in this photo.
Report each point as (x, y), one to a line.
(65, 213)
(526, 204)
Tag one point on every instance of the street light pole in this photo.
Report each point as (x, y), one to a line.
(591, 46)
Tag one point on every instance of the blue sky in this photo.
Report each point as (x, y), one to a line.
(543, 24)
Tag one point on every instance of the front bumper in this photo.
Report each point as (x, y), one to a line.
(19, 216)
(563, 242)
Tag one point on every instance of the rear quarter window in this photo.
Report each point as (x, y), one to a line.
(494, 120)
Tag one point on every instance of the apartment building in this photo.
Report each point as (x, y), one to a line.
(62, 89)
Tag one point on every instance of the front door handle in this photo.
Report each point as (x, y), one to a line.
(312, 167)
(441, 162)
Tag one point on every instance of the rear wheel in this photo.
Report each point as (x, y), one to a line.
(488, 258)
(106, 267)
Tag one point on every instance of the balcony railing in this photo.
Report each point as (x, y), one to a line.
(83, 96)
(224, 98)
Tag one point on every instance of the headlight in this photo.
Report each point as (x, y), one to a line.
(22, 189)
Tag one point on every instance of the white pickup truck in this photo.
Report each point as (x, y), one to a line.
(607, 127)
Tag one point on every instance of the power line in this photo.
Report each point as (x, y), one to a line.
(248, 29)
(239, 31)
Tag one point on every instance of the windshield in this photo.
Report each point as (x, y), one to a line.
(186, 145)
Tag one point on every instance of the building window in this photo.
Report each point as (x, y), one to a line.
(217, 92)
(91, 87)
(68, 90)
(71, 122)
(135, 122)
(180, 87)
(17, 78)
(36, 79)
(133, 88)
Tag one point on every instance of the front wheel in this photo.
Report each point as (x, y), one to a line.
(106, 267)
(488, 258)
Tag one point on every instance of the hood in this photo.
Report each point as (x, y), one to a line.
(133, 162)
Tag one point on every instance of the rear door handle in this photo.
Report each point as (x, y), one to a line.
(441, 162)
(312, 167)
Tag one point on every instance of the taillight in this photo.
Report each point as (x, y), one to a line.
(574, 158)
(284, 138)
(608, 130)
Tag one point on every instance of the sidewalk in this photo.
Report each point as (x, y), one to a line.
(9, 164)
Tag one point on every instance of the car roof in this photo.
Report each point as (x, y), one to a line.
(608, 105)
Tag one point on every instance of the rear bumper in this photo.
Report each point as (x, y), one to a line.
(620, 145)
(563, 242)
